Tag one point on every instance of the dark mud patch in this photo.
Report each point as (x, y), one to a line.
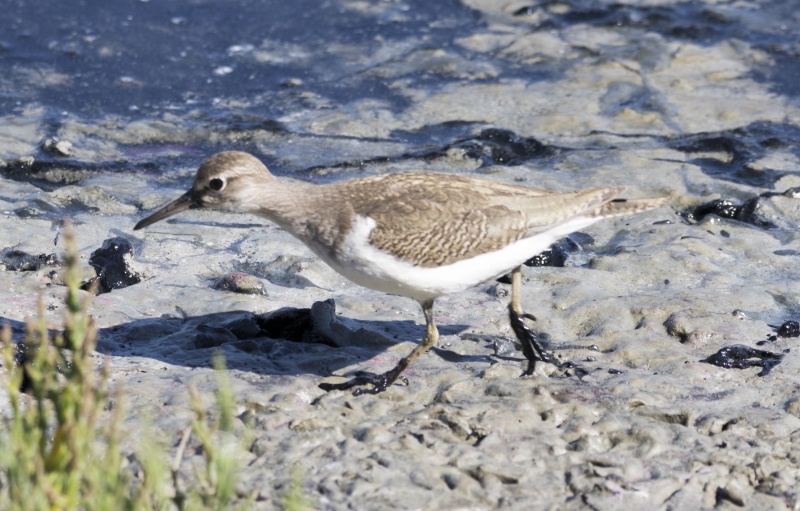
(785, 330)
(500, 147)
(491, 147)
(690, 21)
(18, 260)
(556, 255)
(48, 173)
(783, 72)
(725, 208)
(740, 356)
(728, 155)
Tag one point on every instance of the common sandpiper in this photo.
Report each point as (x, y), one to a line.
(420, 235)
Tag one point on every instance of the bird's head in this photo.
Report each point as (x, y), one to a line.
(224, 181)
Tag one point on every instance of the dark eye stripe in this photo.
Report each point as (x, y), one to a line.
(216, 184)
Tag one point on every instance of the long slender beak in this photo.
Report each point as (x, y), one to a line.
(186, 201)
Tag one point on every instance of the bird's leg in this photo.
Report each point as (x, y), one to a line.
(516, 289)
(381, 382)
(527, 337)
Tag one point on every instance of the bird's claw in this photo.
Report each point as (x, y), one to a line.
(527, 337)
(379, 383)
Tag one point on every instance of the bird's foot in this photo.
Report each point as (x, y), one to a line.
(379, 382)
(527, 337)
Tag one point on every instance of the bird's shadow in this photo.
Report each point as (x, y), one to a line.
(288, 341)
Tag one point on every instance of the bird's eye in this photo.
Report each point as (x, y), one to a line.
(216, 184)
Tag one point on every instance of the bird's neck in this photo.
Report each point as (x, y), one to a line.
(287, 203)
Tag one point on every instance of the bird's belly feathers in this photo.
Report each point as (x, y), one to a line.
(370, 267)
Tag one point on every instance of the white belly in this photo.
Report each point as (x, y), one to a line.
(370, 267)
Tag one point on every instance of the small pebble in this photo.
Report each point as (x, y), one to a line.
(503, 345)
(239, 282)
(57, 147)
(792, 193)
(290, 83)
(789, 329)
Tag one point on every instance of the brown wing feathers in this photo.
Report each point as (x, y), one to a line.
(428, 221)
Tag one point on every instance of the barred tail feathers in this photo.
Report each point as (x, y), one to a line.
(619, 207)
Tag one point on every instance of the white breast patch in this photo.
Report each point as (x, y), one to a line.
(370, 267)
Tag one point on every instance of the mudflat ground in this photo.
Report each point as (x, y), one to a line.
(105, 113)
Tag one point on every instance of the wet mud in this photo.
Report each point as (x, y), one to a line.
(106, 110)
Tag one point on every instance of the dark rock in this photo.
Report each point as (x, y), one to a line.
(317, 325)
(212, 336)
(146, 329)
(248, 346)
(113, 272)
(286, 323)
(243, 326)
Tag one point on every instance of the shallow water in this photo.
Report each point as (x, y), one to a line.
(106, 108)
